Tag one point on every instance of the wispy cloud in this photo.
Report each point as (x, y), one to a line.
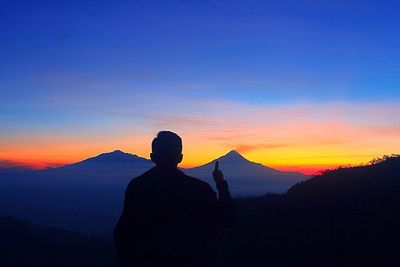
(246, 148)
(10, 164)
(29, 164)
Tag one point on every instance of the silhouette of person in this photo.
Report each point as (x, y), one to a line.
(169, 218)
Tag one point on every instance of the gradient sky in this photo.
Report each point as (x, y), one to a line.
(296, 85)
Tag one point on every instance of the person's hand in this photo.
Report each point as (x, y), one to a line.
(217, 174)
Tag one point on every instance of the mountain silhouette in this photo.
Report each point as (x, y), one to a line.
(68, 197)
(232, 155)
(246, 177)
(116, 156)
(111, 163)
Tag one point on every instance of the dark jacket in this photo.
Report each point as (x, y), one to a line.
(170, 219)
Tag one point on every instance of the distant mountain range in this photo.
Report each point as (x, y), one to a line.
(244, 177)
(92, 190)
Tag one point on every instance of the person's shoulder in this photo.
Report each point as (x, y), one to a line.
(199, 184)
(138, 180)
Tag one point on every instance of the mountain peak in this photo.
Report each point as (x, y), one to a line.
(233, 155)
(116, 152)
(116, 156)
(233, 151)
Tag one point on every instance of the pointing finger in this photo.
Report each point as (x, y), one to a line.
(216, 166)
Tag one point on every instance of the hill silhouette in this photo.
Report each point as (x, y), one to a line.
(344, 217)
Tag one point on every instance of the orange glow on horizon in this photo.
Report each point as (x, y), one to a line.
(304, 137)
(307, 169)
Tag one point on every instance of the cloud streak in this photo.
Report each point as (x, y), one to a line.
(247, 148)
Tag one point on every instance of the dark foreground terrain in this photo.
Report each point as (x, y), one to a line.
(345, 217)
(23, 244)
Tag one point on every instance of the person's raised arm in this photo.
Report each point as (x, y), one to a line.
(224, 196)
(221, 183)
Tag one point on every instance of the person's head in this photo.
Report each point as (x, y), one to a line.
(166, 149)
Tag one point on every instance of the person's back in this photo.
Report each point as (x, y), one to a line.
(169, 218)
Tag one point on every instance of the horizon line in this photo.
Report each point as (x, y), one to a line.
(312, 169)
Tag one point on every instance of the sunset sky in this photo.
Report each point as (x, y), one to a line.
(295, 85)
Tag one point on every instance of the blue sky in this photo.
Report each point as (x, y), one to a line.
(305, 49)
(67, 65)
